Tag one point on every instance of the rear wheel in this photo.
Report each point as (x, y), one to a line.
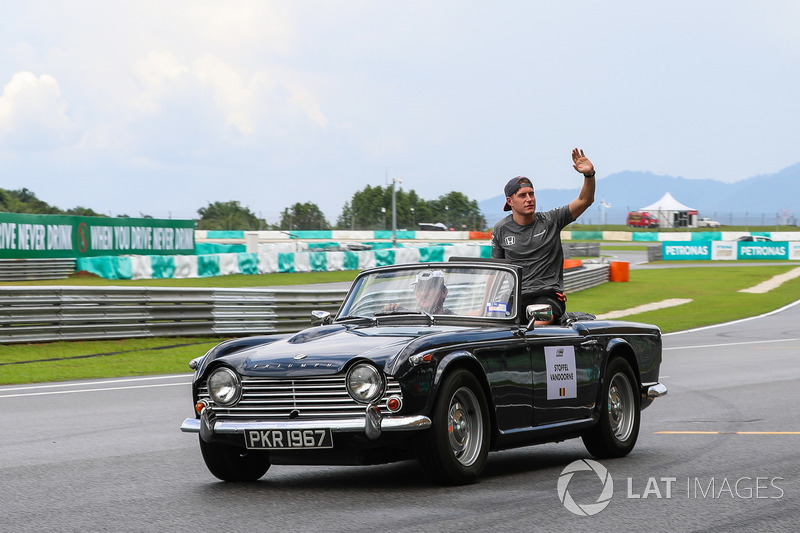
(231, 463)
(455, 448)
(616, 432)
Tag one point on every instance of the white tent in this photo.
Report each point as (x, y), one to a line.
(671, 213)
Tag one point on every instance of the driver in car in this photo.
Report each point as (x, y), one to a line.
(430, 291)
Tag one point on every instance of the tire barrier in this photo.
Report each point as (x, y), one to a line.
(193, 266)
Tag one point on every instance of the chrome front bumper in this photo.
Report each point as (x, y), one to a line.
(372, 424)
(652, 391)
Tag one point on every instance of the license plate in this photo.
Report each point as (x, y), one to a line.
(288, 439)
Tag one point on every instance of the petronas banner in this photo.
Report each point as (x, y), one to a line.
(36, 236)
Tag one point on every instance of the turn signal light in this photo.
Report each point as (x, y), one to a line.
(394, 404)
(418, 359)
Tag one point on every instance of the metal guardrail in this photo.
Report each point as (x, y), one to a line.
(590, 275)
(293, 307)
(43, 314)
(581, 249)
(35, 269)
(654, 253)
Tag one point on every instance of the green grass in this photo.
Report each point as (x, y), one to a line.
(713, 291)
(66, 361)
(714, 294)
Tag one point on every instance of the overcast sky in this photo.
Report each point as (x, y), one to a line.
(160, 107)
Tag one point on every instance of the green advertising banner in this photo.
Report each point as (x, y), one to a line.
(49, 236)
(683, 250)
(729, 250)
(763, 250)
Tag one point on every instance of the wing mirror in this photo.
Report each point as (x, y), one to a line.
(534, 312)
(321, 318)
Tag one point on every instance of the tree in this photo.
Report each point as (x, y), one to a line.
(80, 211)
(25, 201)
(459, 212)
(347, 219)
(305, 216)
(371, 208)
(228, 216)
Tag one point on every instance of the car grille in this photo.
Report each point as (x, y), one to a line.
(307, 398)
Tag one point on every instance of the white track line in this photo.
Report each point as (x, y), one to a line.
(774, 282)
(663, 304)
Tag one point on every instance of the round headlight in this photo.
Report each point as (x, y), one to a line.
(364, 383)
(224, 386)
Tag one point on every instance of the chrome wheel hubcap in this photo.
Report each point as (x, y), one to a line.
(620, 407)
(465, 426)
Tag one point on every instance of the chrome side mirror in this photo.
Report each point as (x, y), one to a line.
(321, 318)
(534, 312)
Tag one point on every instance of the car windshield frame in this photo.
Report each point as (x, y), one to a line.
(473, 291)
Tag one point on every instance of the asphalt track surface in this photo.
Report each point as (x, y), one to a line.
(720, 452)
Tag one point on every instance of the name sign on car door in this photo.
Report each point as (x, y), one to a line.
(561, 381)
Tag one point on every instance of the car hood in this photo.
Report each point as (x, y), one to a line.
(326, 350)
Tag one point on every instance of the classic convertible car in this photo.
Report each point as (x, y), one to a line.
(432, 361)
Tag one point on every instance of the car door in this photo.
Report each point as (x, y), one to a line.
(507, 365)
(565, 374)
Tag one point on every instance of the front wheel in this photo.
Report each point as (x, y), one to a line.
(616, 432)
(230, 463)
(455, 448)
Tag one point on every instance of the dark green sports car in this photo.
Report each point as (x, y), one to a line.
(432, 361)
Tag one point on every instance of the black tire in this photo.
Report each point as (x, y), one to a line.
(230, 463)
(616, 432)
(454, 450)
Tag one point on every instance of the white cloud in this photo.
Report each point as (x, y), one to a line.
(235, 97)
(156, 73)
(307, 101)
(224, 98)
(33, 114)
(232, 100)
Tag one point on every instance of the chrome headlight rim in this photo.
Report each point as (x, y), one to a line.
(234, 382)
(365, 374)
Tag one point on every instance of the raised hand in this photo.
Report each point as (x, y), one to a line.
(581, 163)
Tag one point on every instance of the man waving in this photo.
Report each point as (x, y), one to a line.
(533, 240)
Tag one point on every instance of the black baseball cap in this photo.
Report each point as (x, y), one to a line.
(513, 185)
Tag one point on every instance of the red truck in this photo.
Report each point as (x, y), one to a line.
(641, 219)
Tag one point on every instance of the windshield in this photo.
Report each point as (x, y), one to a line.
(441, 290)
